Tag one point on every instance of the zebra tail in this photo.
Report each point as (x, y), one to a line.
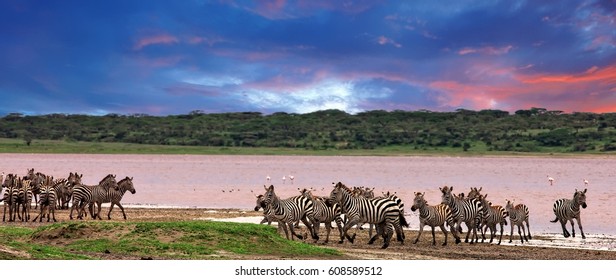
(555, 220)
(403, 221)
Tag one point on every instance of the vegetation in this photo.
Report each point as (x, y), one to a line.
(536, 130)
(156, 240)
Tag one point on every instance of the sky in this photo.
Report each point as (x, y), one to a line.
(173, 57)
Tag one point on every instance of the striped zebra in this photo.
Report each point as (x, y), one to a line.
(36, 182)
(288, 211)
(324, 214)
(268, 215)
(84, 194)
(493, 215)
(569, 209)
(382, 212)
(10, 195)
(433, 216)
(47, 202)
(24, 200)
(114, 195)
(469, 211)
(518, 215)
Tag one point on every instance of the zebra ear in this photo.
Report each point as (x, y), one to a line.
(585, 190)
(424, 193)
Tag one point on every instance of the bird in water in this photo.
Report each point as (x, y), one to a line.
(551, 180)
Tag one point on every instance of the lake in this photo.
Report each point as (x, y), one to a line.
(227, 181)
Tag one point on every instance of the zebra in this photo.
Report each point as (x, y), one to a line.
(518, 215)
(469, 211)
(84, 194)
(288, 211)
(434, 216)
(114, 195)
(36, 181)
(569, 209)
(382, 212)
(48, 202)
(10, 195)
(324, 213)
(24, 199)
(493, 215)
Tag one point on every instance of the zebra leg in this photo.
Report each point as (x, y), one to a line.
(501, 233)
(528, 228)
(520, 234)
(572, 228)
(511, 234)
(433, 236)
(284, 227)
(339, 225)
(563, 223)
(444, 230)
(328, 228)
(524, 231)
(346, 228)
(421, 226)
(379, 231)
(111, 208)
(579, 219)
(387, 229)
(293, 233)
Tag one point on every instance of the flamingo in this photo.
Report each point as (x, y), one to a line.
(291, 178)
(268, 179)
(284, 178)
(551, 180)
(585, 182)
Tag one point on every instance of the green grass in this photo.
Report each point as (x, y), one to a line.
(158, 240)
(477, 148)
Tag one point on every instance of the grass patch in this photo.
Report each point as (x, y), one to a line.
(157, 240)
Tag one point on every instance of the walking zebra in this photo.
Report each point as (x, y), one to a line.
(492, 215)
(24, 199)
(569, 209)
(434, 216)
(518, 215)
(114, 195)
(469, 211)
(382, 212)
(288, 211)
(84, 194)
(324, 214)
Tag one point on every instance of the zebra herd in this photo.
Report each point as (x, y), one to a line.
(50, 194)
(354, 207)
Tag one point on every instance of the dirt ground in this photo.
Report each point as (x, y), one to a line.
(423, 250)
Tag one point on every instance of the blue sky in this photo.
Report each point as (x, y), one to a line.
(173, 57)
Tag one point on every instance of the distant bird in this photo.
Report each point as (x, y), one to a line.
(268, 179)
(284, 178)
(585, 182)
(551, 180)
(291, 178)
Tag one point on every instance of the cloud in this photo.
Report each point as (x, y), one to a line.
(382, 40)
(486, 50)
(164, 39)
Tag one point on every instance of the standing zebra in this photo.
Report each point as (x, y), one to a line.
(469, 211)
(493, 215)
(569, 209)
(10, 195)
(324, 214)
(434, 216)
(518, 215)
(288, 211)
(47, 200)
(84, 194)
(382, 212)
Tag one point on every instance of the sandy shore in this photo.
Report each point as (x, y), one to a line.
(541, 247)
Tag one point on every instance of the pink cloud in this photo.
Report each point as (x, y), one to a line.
(592, 90)
(382, 40)
(155, 40)
(486, 50)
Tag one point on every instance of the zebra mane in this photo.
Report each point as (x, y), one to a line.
(124, 180)
(344, 187)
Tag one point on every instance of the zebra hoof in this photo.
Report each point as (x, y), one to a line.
(341, 241)
(444, 244)
(458, 241)
(385, 246)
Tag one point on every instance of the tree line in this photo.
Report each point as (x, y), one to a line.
(531, 130)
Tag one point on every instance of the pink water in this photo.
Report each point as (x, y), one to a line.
(207, 181)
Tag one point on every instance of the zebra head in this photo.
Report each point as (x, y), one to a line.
(580, 197)
(335, 196)
(74, 178)
(268, 197)
(259, 202)
(447, 197)
(419, 201)
(126, 184)
(474, 192)
(509, 206)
